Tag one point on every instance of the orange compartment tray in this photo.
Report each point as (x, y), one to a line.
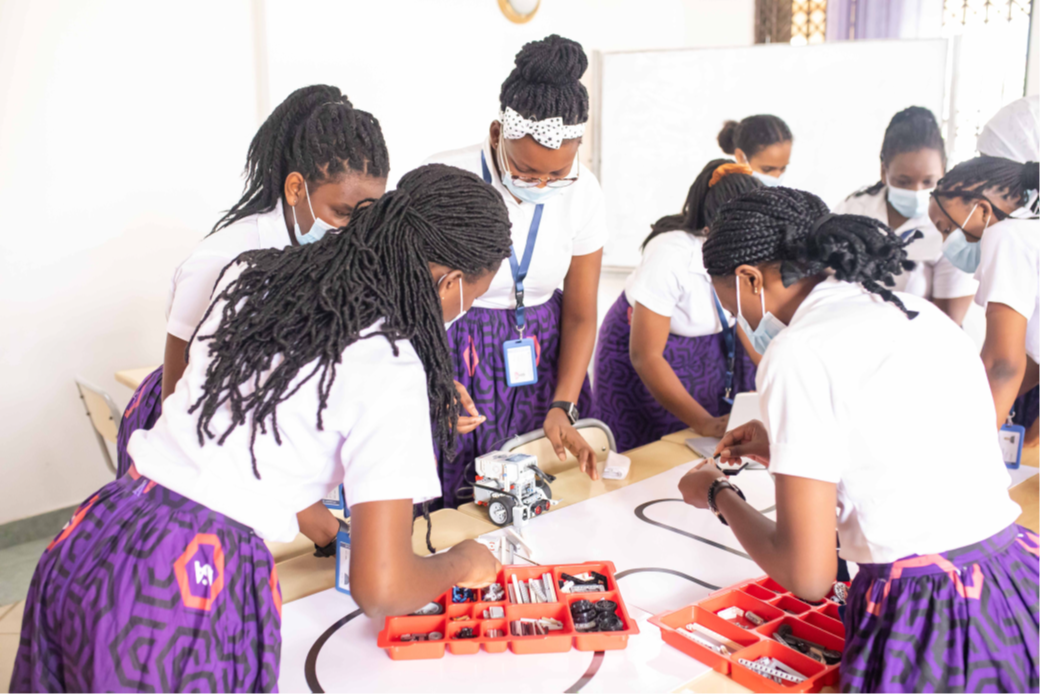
(470, 615)
(776, 605)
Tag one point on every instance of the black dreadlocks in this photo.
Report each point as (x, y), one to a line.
(753, 134)
(317, 132)
(703, 201)
(306, 304)
(545, 82)
(910, 130)
(795, 228)
(1012, 181)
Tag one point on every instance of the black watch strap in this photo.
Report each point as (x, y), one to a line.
(568, 407)
(713, 492)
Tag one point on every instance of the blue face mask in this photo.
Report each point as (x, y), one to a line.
(768, 328)
(769, 181)
(535, 196)
(963, 254)
(317, 230)
(909, 203)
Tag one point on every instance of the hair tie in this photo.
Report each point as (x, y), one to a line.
(723, 170)
(820, 222)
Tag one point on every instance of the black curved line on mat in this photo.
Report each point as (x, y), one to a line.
(312, 656)
(641, 515)
(597, 660)
(657, 570)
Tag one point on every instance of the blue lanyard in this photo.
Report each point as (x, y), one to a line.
(521, 267)
(906, 234)
(731, 348)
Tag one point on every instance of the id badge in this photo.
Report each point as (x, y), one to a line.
(343, 561)
(521, 369)
(336, 499)
(1011, 437)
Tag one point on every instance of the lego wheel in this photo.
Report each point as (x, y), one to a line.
(500, 510)
(546, 489)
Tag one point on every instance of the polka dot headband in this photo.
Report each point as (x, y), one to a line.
(550, 132)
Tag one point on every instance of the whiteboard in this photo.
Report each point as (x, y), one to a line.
(660, 112)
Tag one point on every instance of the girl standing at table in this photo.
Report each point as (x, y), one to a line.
(946, 597)
(913, 159)
(314, 366)
(763, 142)
(309, 165)
(668, 355)
(981, 207)
(523, 352)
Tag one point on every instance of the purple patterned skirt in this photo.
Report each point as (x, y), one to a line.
(146, 590)
(476, 344)
(141, 413)
(963, 620)
(625, 404)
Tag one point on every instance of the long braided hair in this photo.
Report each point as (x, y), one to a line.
(753, 134)
(794, 228)
(317, 132)
(292, 312)
(910, 130)
(713, 187)
(545, 82)
(1013, 181)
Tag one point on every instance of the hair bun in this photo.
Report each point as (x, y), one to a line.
(913, 113)
(727, 137)
(553, 60)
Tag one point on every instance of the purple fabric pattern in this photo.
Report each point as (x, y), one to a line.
(963, 620)
(142, 412)
(476, 344)
(625, 404)
(144, 591)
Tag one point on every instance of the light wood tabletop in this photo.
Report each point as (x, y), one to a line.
(131, 378)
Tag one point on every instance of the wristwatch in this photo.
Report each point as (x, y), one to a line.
(713, 491)
(568, 407)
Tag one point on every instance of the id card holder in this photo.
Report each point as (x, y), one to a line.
(521, 367)
(336, 499)
(343, 561)
(1011, 437)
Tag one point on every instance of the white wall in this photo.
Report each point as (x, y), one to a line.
(123, 131)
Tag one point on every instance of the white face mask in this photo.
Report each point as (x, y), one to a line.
(317, 230)
(462, 304)
(909, 203)
(770, 181)
(768, 328)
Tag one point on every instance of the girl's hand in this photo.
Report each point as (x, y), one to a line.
(564, 437)
(714, 427)
(749, 440)
(695, 484)
(480, 566)
(468, 424)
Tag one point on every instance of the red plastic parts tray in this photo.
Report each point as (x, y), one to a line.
(773, 603)
(555, 642)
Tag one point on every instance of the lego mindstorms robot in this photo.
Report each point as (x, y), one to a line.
(512, 487)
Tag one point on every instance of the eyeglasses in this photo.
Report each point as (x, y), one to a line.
(528, 181)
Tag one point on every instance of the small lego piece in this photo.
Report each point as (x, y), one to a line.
(434, 636)
(703, 640)
(512, 594)
(584, 615)
(461, 595)
(731, 613)
(465, 633)
(461, 618)
(406, 638)
(608, 621)
(495, 613)
(605, 606)
(515, 594)
(841, 593)
(525, 594)
(494, 633)
(754, 619)
(766, 668)
(785, 635)
(429, 609)
(493, 593)
(550, 591)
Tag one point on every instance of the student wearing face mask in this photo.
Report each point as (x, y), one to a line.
(523, 350)
(913, 159)
(946, 597)
(668, 355)
(309, 165)
(763, 142)
(986, 208)
(294, 387)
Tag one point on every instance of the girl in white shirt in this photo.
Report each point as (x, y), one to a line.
(763, 142)
(314, 366)
(981, 207)
(309, 165)
(851, 381)
(668, 357)
(913, 159)
(559, 227)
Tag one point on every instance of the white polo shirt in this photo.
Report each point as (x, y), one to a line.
(935, 277)
(671, 281)
(1009, 273)
(897, 413)
(193, 280)
(376, 440)
(573, 223)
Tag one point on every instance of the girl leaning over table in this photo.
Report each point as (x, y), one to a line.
(315, 366)
(876, 404)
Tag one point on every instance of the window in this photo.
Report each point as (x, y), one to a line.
(798, 22)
